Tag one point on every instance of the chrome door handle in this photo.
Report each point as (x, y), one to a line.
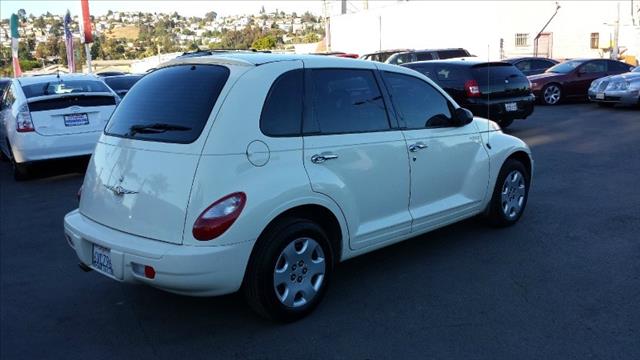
(320, 158)
(417, 146)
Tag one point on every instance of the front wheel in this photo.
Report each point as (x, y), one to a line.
(510, 194)
(289, 270)
(551, 94)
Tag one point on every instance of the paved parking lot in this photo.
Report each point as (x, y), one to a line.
(564, 283)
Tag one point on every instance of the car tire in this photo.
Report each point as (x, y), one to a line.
(278, 283)
(551, 94)
(505, 123)
(20, 170)
(510, 194)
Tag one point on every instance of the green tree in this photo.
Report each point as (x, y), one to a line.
(265, 42)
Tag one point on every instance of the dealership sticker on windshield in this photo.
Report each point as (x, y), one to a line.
(511, 106)
(600, 96)
(76, 119)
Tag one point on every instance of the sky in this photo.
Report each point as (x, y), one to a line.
(184, 7)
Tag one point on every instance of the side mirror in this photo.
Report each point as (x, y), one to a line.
(462, 117)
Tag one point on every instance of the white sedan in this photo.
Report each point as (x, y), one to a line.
(52, 116)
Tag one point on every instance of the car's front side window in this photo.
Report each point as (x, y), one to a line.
(594, 67)
(346, 101)
(418, 104)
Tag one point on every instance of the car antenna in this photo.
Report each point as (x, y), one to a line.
(488, 97)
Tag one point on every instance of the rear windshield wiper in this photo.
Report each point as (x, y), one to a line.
(156, 128)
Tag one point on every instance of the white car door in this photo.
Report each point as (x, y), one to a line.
(354, 154)
(449, 164)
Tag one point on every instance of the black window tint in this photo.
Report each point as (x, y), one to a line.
(347, 101)
(171, 104)
(541, 64)
(595, 66)
(618, 66)
(448, 54)
(403, 58)
(282, 110)
(61, 87)
(524, 65)
(418, 104)
(422, 56)
(119, 83)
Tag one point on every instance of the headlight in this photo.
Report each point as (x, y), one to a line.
(594, 84)
(624, 85)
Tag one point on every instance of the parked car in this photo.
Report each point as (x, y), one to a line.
(531, 65)
(338, 54)
(224, 194)
(51, 116)
(111, 73)
(381, 56)
(121, 84)
(571, 79)
(621, 89)
(493, 90)
(424, 55)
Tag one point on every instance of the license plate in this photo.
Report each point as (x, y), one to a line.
(101, 260)
(511, 106)
(76, 119)
(600, 96)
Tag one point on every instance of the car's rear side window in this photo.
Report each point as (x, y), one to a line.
(118, 83)
(282, 110)
(62, 87)
(171, 104)
(448, 54)
(346, 101)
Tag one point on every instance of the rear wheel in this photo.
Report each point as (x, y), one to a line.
(289, 270)
(551, 94)
(510, 194)
(20, 170)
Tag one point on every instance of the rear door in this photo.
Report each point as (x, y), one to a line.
(69, 107)
(449, 165)
(140, 175)
(353, 154)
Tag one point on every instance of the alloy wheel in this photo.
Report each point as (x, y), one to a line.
(552, 94)
(299, 272)
(513, 194)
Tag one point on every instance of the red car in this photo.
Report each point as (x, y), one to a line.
(571, 79)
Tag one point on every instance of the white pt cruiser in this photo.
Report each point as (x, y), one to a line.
(260, 172)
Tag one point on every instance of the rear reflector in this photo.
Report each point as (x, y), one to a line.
(149, 272)
(219, 216)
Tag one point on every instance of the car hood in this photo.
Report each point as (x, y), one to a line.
(629, 76)
(545, 76)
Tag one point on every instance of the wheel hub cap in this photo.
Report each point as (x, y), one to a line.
(513, 193)
(299, 272)
(552, 94)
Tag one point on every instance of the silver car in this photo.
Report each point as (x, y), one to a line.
(621, 89)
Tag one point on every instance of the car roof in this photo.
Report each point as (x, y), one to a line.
(255, 59)
(436, 49)
(456, 61)
(29, 80)
(514, 59)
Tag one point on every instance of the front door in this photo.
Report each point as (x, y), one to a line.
(353, 155)
(585, 74)
(449, 165)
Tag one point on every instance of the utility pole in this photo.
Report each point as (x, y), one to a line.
(365, 4)
(327, 24)
(535, 41)
(615, 51)
(343, 9)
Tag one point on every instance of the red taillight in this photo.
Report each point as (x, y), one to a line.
(471, 88)
(149, 272)
(23, 120)
(218, 218)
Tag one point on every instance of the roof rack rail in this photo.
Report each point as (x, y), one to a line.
(219, 51)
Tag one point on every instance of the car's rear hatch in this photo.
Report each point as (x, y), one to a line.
(139, 178)
(497, 80)
(71, 113)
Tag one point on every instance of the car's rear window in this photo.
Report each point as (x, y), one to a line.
(441, 71)
(485, 72)
(118, 83)
(61, 87)
(171, 104)
(448, 54)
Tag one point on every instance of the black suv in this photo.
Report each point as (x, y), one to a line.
(428, 54)
(493, 90)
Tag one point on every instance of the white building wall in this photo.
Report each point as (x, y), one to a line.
(478, 26)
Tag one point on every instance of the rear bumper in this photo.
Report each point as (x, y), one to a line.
(496, 109)
(626, 97)
(187, 270)
(32, 146)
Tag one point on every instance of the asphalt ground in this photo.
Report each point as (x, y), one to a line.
(564, 283)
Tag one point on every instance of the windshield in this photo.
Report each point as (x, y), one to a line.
(637, 69)
(565, 67)
(59, 87)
